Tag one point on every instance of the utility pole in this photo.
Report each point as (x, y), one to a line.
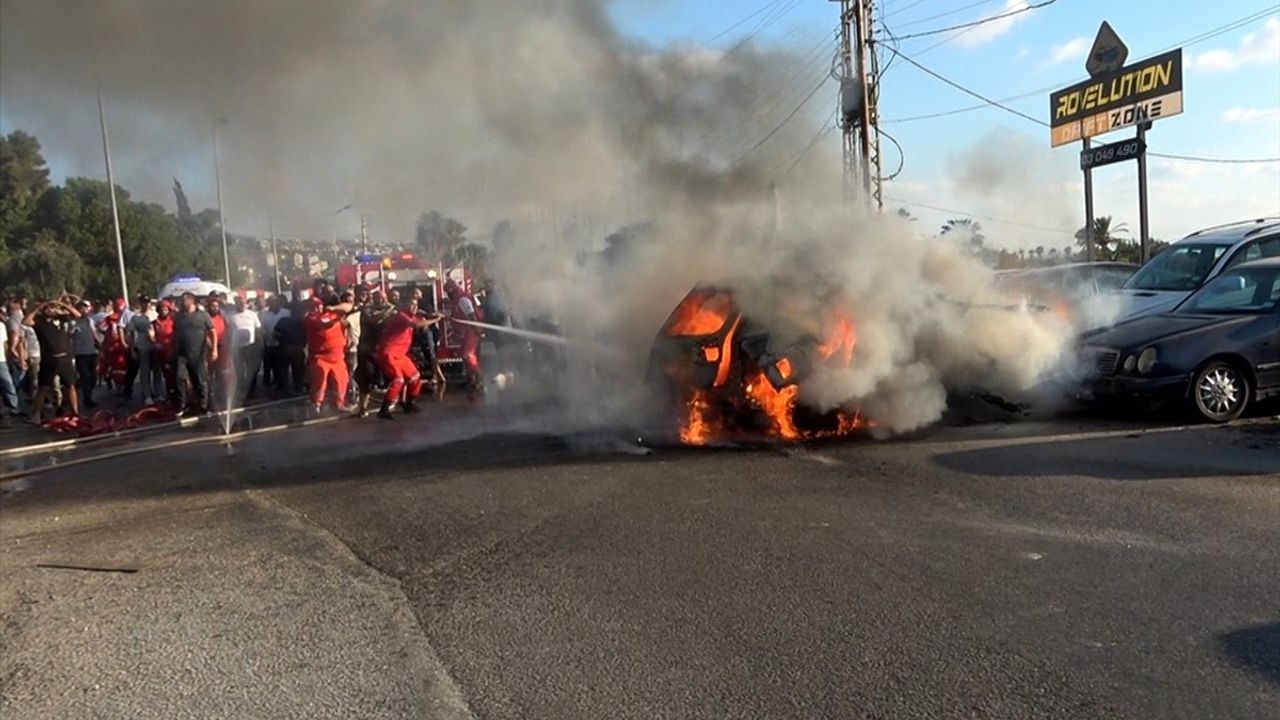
(858, 73)
(364, 234)
(222, 218)
(111, 187)
(275, 254)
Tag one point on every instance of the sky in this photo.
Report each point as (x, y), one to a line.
(1231, 98)
(985, 163)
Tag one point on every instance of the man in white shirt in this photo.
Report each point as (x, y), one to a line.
(244, 330)
(272, 358)
(8, 393)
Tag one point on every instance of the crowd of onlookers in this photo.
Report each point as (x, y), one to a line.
(69, 355)
(72, 354)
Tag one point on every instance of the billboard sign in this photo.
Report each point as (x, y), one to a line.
(1147, 90)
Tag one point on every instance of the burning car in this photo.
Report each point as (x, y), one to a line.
(728, 374)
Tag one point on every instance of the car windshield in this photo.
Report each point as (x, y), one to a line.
(1246, 291)
(1182, 267)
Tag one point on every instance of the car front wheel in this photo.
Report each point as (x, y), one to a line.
(1220, 392)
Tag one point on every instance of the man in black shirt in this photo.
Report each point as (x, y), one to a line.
(293, 350)
(372, 317)
(194, 348)
(47, 320)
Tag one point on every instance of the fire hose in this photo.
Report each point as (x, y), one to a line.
(518, 332)
(105, 421)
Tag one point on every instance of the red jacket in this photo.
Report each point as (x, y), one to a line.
(326, 336)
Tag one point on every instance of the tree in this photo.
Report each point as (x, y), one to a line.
(504, 236)
(78, 216)
(24, 177)
(201, 234)
(1108, 239)
(966, 230)
(43, 269)
(474, 257)
(437, 235)
(180, 197)
(61, 238)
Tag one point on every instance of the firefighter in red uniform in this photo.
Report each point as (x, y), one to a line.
(113, 362)
(463, 306)
(162, 346)
(219, 368)
(393, 356)
(326, 352)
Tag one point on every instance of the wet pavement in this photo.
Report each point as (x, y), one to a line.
(495, 561)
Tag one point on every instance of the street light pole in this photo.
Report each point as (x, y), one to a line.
(111, 187)
(275, 255)
(222, 219)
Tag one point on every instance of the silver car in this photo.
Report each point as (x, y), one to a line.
(1170, 277)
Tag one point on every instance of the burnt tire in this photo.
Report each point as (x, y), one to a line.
(1220, 392)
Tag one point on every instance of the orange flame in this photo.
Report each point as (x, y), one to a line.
(778, 405)
(700, 313)
(698, 426)
(706, 313)
(846, 422)
(841, 337)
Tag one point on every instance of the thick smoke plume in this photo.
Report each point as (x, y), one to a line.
(541, 113)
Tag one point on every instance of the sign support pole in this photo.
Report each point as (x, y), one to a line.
(1143, 227)
(1088, 209)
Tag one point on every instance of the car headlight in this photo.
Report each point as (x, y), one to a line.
(1130, 362)
(1147, 360)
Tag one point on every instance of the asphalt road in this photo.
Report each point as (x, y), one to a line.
(1068, 568)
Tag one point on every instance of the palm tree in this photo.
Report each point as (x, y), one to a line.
(1107, 237)
(967, 230)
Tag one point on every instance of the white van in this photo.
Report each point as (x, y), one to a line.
(194, 285)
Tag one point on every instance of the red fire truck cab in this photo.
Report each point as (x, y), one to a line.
(404, 272)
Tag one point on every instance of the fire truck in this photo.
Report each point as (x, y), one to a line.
(404, 272)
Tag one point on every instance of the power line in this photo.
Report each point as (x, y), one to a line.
(826, 128)
(787, 91)
(1221, 29)
(988, 218)
(902, 155)
(1224, 161)
(743, 21)
(949, 38)
(949, 12)
(768, 20)
(967, 91)
(904, 8)
(778, 96)
(785, 120)
(971, 108)
(976, 23)
(1193, 40)
(1006, 108)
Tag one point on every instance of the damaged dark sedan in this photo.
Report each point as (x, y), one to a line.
(1218, 351)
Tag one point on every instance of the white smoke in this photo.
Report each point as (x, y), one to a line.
(543, 114)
